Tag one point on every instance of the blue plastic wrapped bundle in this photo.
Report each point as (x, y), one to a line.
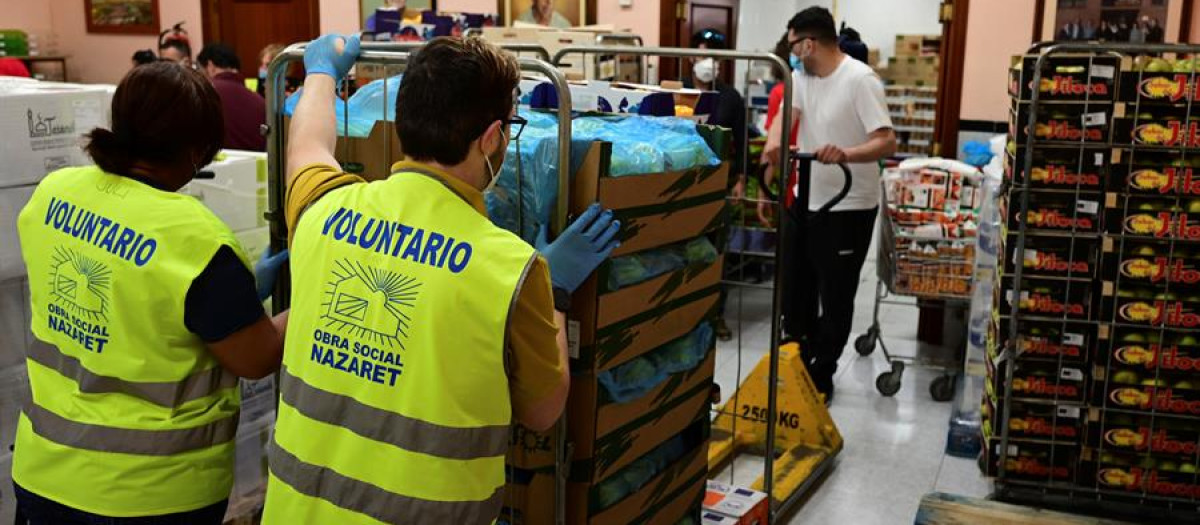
(631, 478)
(372, 102)
(639, 376)
(639, 267)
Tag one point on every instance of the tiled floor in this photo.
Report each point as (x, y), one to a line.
(894, 446)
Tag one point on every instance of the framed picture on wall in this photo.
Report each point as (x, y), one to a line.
(551, 13)
(408, 10)
(1126, 21)
(123, 17)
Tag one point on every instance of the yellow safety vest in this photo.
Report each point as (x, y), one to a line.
(128, 414)
(394, 399)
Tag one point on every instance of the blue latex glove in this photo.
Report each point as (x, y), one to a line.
(581, 248)
(322, 57)
(266, 270)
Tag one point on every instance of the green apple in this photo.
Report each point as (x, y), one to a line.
(1150, 381)
(1168, 466)
(1126, 377)
(1158, 65)
(1166, 296)
(1152, 337)
(1107, 458)
(1140, 63)
(1146, 206)
(1193, 206)
(1187, 468)
(1144, 294)
(1145, 115)
(1035, 331)
(1132, 337)
(1184, 385)
(1187, 340)
(1128, 294)
(1184, 66)
(1145, 251)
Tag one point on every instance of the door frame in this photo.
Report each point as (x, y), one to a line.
(210, 23)
(952, 56)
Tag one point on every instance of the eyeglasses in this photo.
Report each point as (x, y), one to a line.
(792, 44)
(516, 125)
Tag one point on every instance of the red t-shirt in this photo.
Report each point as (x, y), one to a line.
(774, 101)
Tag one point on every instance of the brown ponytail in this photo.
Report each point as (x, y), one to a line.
(162, 114)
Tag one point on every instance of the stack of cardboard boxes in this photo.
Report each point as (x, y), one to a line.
(915, 62)
(639, 460)
(40, 128)
(911, 77)
(1105, 389)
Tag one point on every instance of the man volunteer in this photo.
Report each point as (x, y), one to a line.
(843, 118)
(419, 330)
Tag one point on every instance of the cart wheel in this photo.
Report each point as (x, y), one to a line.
(942, 388)
(865, 344)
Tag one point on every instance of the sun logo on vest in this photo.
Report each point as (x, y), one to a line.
(80, 284)
(369, 302)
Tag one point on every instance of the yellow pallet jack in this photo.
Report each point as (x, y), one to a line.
(779, 391)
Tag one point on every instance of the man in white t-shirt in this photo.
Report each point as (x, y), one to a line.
(843, 116)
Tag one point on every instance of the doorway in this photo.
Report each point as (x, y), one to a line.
(680, 19)
(250, 25)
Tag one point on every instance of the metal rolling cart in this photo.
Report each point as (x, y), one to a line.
(923, 259)
(804, 447)
(1143, 488)
(395, 56)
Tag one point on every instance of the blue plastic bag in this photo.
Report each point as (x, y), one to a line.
(636, 378)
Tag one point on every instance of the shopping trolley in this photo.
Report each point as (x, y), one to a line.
(926, 251)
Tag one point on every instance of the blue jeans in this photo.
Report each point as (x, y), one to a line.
(33, 509)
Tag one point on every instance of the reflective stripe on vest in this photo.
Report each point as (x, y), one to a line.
(168, 394)
(126, 440)
(365, 498)
(390, 427)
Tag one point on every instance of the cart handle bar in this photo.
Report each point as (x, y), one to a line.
(809, 157)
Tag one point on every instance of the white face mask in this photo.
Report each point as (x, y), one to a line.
(704, 70)
(493, 175)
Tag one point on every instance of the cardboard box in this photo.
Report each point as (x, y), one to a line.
(528, 498)
(1148, 350)
(43, 126)
(746, 506)
(1048, 255)
(1158, 265)
(370, 157)
(1048, 298)
(1140, 475)
(621, 342)
(1147, 306)
(1154, 126)
(915, 45)
(1041, 461)
(1036, 421)
(1151, 172)
(1072, 343)
(1057, 212)
(1064, 123)
(1062, 168)
(1039, 380)
(12, 201)
(1152, 219)
(1161, 436)
(652, 502)
(1157, 87)
(1146, 398)
(1074, 78)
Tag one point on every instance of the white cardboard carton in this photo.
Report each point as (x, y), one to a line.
(237, 194)
(42, 124)
(12, 200)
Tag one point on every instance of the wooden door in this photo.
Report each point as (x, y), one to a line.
(250, 25)
(949, 95)
(680, 19)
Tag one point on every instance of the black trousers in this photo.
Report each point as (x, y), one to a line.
(822, 263)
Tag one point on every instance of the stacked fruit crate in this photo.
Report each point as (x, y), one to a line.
(642, 355)
(1100, 286)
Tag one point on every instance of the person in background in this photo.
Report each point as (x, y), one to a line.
(407, 16)
(542, 12)
(11, 67)
(1114, 33)
(852, 45)
(143, 57)
(145, 313)
(770, 165)
(174, 45)
(1154, 32)
(1137, 32)
(1089, 30)
(459, 330)
(730, 113)
(245, 112)
(264, 61)
(843, 116)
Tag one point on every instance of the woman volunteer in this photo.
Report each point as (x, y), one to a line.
(144, 311)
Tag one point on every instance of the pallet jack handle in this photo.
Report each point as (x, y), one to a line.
(803, 162)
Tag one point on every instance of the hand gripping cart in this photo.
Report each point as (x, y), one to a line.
(805, 438)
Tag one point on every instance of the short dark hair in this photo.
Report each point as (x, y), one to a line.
(816, 22)
(219, 55)
(163, 114)
(783, 50)
(452, 90)
(711, 38)
(144, 56)
(178, 45)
